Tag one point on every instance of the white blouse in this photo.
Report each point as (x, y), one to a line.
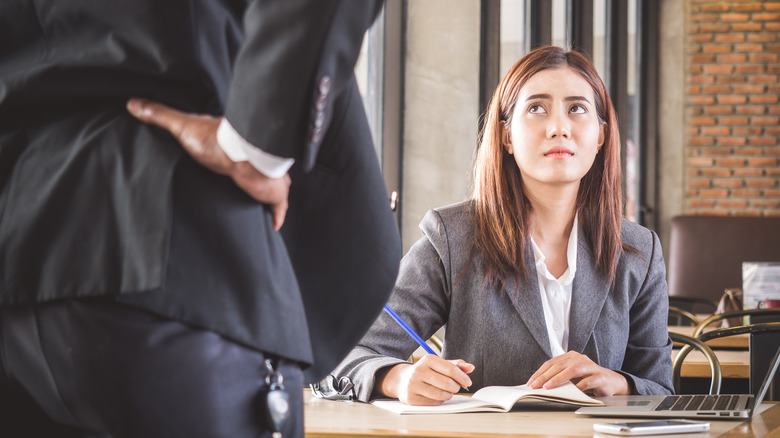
(556, 294)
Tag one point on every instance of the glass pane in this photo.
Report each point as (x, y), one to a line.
(599, 36)
(511, 33)
(559, 23)
(632, 173)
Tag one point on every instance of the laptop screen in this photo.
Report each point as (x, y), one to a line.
(767, 381)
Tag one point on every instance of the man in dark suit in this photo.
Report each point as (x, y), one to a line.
(144, 290)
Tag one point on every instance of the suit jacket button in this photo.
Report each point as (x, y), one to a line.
(320, 103)
(316, 135)
(324, 86)
(319, 119)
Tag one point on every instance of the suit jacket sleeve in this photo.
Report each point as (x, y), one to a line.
(648, 364)
(284, 79)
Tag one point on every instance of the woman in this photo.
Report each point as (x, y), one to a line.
(538, 278)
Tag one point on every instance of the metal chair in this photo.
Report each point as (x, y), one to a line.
(761, 314)
(681, 317)
(690, 343)
(693, 305)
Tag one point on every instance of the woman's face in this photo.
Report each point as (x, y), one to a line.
(555, 132)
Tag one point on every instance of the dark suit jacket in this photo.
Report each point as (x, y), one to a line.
(92, 202)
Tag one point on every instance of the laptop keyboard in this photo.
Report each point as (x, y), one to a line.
(698, 403)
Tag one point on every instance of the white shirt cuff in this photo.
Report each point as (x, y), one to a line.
(238, 149)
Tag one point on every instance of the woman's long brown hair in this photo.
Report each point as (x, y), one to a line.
(502, 211)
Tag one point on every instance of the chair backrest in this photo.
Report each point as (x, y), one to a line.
(706, 252)
(690, 343)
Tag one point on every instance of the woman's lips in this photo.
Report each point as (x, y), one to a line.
(559, 152)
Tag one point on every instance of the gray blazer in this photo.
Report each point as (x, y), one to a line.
(503, 332)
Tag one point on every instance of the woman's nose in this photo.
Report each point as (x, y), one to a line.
(558, 126)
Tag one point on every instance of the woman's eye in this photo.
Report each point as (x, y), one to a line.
(535, 109)
(577, 109)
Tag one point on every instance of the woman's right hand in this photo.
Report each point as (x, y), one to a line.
(428, 382)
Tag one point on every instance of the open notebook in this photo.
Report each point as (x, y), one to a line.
(494, 399)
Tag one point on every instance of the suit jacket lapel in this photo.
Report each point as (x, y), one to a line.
(589, 292)
(528, 303)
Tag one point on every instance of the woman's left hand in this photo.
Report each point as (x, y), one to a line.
(583, 372)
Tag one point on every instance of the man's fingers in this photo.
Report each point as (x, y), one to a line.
(279, 212)
(157, 114)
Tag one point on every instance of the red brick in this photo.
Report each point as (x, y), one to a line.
(763, 141)
(758, 162)
(762, 16)
(734, 120)
(747, 7)
(714, 193)
(694, 48)
(764, 98)
(730, 162)
(703, 38)
(771, 26)
(764, 204)
(772, 130)
(697, 69)
(772, 151)
(774, 68)
(765, 120)
(772, 48)
(774, 109)
(746, 193)
(748, 172)
(751, 109)
(707, 17)
(773, 172)
(718, 109)
(750, 68)
(731, 141)
(717, 7)
(772, 6)
(730, 79)
(724, 38)
(702, 79)
(716, 130)
(761, 37)
(746, 27)
(695, 89)
(746, 130)
(699, 203)
(731, 183)
(702, 100)
(772, 193)
(714, 27)
(733, 203)
(699, 183)
(702, 141)
(699, 162)
(747, 213)
(761, 182)
(694, 110)
(713, 212)
(692, 172)
(762, 57)
(713, 173)
(748, 47)
(719, 68)
(750, 89)
(729, 16)
(702, 59)
(717, 89)
(763, 78)
(693, 130)
(704, 120)
(716, 48)
(732, 99)
(752, 151)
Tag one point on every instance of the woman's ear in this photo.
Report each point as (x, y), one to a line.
(602, 127)
(505, 137)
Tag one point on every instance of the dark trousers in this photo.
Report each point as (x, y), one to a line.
(96, 368)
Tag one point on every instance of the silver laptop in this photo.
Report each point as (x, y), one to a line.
(721, 407)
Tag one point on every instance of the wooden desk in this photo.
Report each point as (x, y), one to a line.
(733, 364)
(330, 419)
(736, 341)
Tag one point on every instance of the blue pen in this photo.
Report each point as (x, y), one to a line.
(409, 330)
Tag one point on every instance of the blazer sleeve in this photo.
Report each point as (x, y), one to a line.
(298, 55)
(648, 363)
(421, 297)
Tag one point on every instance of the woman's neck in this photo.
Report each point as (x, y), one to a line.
(553, 212)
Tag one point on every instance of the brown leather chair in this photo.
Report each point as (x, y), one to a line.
(706, 252)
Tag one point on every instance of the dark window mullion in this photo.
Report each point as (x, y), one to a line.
(538, 23)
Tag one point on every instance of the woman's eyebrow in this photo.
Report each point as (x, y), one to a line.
(548, 97)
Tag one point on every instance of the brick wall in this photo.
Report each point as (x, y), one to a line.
(733, 108)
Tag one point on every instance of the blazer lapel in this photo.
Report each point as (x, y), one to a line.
(589, 292)
(528, 303)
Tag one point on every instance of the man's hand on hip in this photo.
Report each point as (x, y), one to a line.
(198, 135)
